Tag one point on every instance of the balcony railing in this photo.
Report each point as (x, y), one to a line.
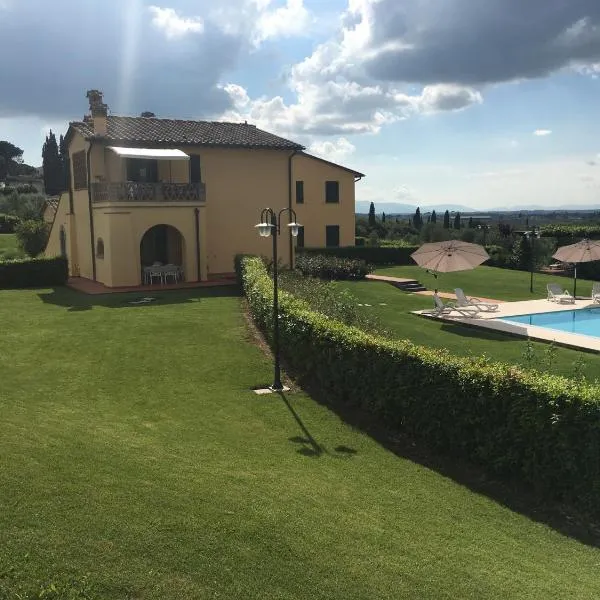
(148, 192)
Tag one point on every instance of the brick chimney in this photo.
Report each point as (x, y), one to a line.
(98, 111)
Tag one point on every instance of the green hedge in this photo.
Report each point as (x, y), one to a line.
(375, 255)
(541, 428)
(332, 267)
(572, 232)
(33, 272)
(8, 223)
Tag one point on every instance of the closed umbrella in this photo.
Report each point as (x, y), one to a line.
(453, 255)
(584, 251)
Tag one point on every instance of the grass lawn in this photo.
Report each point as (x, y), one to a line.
(491, 282)
(9, 247)
(396, 319)
(133, 451)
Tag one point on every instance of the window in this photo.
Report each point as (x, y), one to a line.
(142, 170)
(332, 191)
(195, 171)
(300, 238)
(100, 248)
(299, 192)
(62, 236)
(332, 235)
(79, 170)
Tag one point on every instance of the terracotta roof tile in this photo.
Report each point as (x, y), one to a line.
(175, 131)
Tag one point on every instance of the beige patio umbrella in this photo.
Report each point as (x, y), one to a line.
(584, 251)
(453, 255)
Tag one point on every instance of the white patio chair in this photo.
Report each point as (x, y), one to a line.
(156, 273)
(557, 294)
(463, 301)
(596, 292)
(171, 271)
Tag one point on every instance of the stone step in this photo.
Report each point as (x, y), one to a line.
(410, 286)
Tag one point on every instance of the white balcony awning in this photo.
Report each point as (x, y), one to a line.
(157, 153)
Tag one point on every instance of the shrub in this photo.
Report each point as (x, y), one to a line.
(572, 232)
(328, 298)
(375, 255)
(541, 428)
(33, 272)
(32, 236)
(8, 223)
(332, 267)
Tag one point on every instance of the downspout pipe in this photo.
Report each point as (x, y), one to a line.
(290, 196)
(197, 225)
(89, 186)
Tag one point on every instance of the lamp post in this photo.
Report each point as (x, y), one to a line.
(485, 229)
(532, 235)
(270, 225)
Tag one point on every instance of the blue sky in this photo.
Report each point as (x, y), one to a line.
(488, 104)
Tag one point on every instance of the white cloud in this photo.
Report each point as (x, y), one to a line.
(173, 25)
(336, 150)
(289, 20)
(542, 132)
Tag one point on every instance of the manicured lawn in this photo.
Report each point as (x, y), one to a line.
(491, 282)
(8, 246)
(132, 450)
(398, 321)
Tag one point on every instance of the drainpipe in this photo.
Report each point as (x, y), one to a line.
(89, 186)
(290, 195)
(197, 223)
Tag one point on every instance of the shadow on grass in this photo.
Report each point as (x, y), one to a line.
(310, 446)
(75, 301)
(480, 333)
(514, 495)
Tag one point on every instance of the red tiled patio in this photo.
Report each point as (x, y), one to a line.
(87, 286)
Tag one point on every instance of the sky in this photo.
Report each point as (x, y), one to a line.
(485, 104)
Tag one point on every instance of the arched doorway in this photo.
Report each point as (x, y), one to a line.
(162, 244)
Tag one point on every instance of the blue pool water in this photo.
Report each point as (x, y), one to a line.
(585, 321)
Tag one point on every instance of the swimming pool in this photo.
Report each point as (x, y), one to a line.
(585, 321)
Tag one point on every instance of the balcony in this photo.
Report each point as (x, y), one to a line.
(148, 192)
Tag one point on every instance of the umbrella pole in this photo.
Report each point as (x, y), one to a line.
(575, 283)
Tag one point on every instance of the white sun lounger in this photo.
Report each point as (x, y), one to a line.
(596, 292)
(557, 294)
(450, 307)
(463, 301)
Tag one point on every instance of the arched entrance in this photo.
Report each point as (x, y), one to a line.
(162, 244)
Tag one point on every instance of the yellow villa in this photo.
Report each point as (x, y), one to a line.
(185, 195)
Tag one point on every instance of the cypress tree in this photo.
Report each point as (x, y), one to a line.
(418, 219)
(63, 152)
(383, 217)
(372, 215)
(433, 216)
(446, 220)
(53, 172)
(457, 221)
(470, 222)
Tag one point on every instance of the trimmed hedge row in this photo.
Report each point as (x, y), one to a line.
(571, 231)
(8, 223)
(33, 272)
(376, 255)
(541, 428)
(332, 267)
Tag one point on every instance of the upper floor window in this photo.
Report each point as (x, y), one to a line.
(332, 191)
(332, 235)
(79, 170)
(299, 192)
(195, 170)
(142, 170)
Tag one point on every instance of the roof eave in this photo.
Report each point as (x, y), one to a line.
(328, 162)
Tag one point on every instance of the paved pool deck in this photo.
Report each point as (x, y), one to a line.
(489, 320)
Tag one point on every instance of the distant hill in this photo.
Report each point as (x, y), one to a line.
(362, 207)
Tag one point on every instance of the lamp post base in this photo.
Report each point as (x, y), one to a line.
(271, 390)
